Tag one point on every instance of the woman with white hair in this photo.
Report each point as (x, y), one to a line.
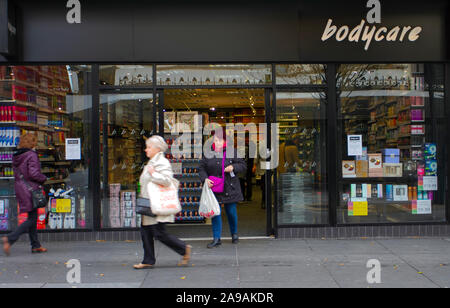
(159, 171)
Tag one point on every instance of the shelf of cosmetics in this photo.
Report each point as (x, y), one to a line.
(387, 164)
(386, 192)
(189, 216)
(405, 109)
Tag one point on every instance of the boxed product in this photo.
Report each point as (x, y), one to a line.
(417, 154)
(417, 101)
(389, 192)
(4, 214)
(375, 165)
(430, 151)
(362, 168)
(348, 169)
(417, 115)
(431, 168)
(393, 170)
(41, 219)
(417, 129)
(4, 226)
(400, 193)
(391, 156)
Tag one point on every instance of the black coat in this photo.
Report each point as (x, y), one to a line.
(213, 167)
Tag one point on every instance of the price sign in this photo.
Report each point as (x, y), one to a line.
(430, 183)
(63, 206)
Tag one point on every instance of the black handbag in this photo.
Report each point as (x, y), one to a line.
(143, 207)
(37, 196)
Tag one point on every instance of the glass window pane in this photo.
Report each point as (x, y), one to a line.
(392, 145)
(126, 75)
(125, 120)
(240, 74)
(302, 190)
(300, 74)
(54, 103)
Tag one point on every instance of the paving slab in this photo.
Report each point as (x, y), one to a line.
(253, 263)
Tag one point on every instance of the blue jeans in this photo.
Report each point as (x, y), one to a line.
(232, 220)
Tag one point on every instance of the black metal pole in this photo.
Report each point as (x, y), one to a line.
(447, 145)
(332, 136)
(95, 158)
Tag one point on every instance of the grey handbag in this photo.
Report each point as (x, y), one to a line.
(143, 207)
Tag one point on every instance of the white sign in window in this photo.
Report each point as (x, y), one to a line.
(73, 148)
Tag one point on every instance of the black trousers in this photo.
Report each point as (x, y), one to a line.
(159, 232)
(29, 226)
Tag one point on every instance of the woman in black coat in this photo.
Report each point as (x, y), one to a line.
(232, 193)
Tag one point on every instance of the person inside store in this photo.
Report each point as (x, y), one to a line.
(230, 168)
(159, 171)
(27, 175)
(291, 156)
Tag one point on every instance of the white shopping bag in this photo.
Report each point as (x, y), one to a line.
(209, 207)
(164, 199)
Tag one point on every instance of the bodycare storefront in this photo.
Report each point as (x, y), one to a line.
(341, 112)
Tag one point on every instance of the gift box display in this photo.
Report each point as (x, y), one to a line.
(348, 169)
(391, 156)
(375, 165)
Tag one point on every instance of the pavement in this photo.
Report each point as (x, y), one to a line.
(253, 263)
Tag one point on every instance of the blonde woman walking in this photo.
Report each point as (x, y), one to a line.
(159, 171)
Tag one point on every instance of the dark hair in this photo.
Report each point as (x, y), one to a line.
(224, 135)
(27, 141)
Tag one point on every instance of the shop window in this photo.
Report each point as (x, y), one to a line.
(300, 74)
(126, 75)
(302, 189)
(125, 119)
(54, 103)
(392, 145)
(209, 75)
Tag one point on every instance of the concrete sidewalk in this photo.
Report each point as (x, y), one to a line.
(253, 263)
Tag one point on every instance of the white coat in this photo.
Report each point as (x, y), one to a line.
(163, 175)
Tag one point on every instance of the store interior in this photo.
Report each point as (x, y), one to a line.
(51, 102)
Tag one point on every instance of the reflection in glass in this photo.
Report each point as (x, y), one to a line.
(126, 75)
(239, 74)
(302, 159)
(300, 74)
(125, 120)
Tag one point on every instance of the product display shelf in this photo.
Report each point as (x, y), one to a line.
(186, 172)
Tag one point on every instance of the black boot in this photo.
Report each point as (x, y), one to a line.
(234, 239)
(215, 243)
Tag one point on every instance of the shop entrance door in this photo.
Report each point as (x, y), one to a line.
(199, 107)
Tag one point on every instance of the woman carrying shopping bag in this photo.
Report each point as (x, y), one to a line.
(223, 172)
(158, 171)
(27, 176)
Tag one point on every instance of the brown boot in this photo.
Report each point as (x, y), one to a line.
(6, 246)
(38, 250)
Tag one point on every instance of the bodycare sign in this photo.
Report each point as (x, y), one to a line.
(370, 29)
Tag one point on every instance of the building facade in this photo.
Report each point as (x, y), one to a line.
(359, 94)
